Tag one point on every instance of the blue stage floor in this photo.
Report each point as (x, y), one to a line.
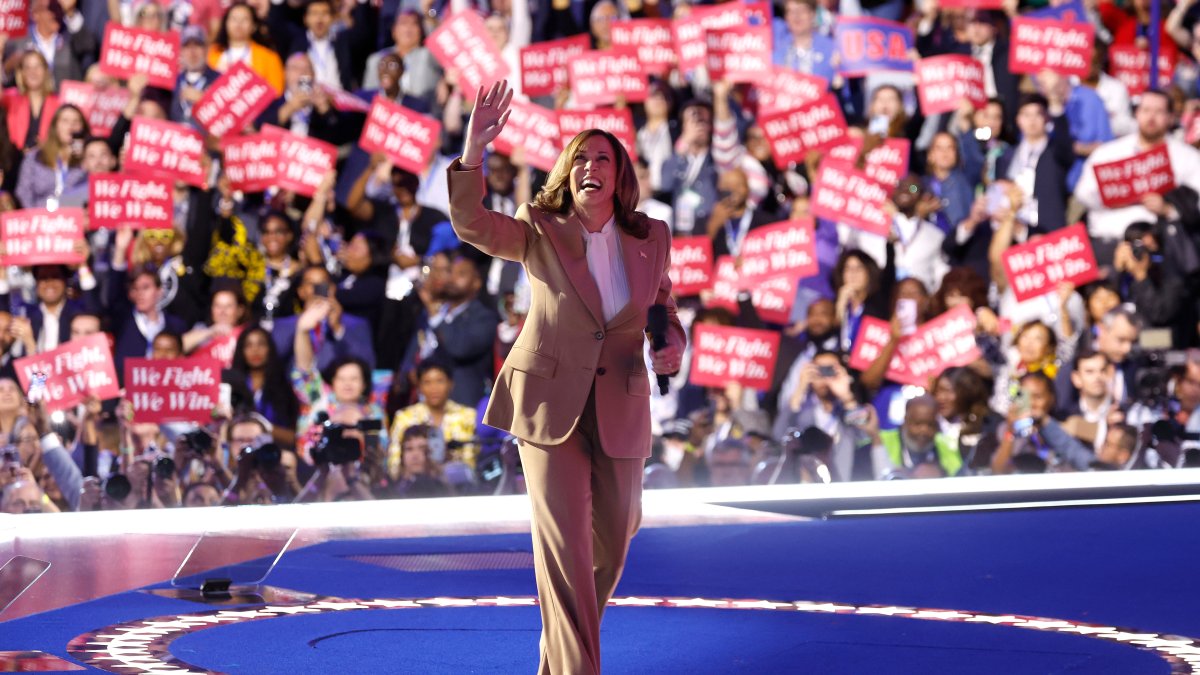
(1109, 589)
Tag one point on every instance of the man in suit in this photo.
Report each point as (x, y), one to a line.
(462, 333)
(45, 36)
(991, 49)
(1115, 336)
(138, 319)
(1039, 163)
(691, 174)
(574, 388)
(305, 109)
(50, 319)
(338, 335)
(331, 55)
(194, 74)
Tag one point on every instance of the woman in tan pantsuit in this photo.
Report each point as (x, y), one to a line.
(574, 390)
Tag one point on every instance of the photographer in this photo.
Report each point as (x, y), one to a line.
(420, 475)
(348, 459)
(1031, 431)
(1144, 279)
(917, 449)
(1171, 416)
(266, 473)
(824, 398)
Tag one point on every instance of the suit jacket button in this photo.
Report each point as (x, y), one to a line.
(601, 371)
(599, 335)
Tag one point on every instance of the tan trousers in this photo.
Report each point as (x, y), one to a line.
(586, 508)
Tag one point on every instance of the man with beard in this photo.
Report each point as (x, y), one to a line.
(916, 449)
(460, 332)
(918, 242)
(801, 342)
(733, 216)
(1107, 225)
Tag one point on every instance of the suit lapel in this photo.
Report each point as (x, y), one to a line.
(639, 256)
(566, 235)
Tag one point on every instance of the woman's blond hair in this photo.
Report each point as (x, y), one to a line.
(48, 85)
(52, 148)
(555, 196)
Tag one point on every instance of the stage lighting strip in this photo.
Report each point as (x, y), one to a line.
(144, 646)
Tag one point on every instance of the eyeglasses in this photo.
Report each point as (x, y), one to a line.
(277, 232)
(391, 65)
(158, 236)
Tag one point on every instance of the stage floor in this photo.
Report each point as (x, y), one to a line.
(447, 587)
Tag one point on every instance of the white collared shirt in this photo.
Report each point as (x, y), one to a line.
(324, 61)
(48, 338)
(607, 267)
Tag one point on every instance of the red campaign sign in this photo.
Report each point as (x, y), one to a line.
(739, 54)
(233, 101)
(220, 348)
(691, 265)
(787, 90)
(690, 46)
(101, 107)
(172, 390)
(772, 299)
(1131, 65)
(1062, 46)
(844, 194)
(815, 126)
(946, 341)
(406, 137)
(1126, 181)
(619, 123)
(653, 40)
(129, 51)
(689, 32)
(1038, 266)
(887, 163)
(544, 64)
(167, 150)
(786, 249)
(724, 354)
(344, 101)
(118, 200)
(74, 371)
(303, 161)
(1191, 127)
(462, 43)
(603, 77)
(252, 162)
(970, 4)
(534, 129)
(14, 18)
(41, 236)
(945, 81)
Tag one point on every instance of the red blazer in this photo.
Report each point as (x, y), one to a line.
(17, 116)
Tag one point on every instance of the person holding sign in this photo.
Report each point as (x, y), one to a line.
(236, 42)
(573, 389)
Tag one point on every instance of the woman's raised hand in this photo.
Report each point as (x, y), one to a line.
(488, 118)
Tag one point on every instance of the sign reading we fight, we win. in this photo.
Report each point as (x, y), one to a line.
(1038, 266)
(1125, 181)
(724, 354)
(175, 390)
(76, 370)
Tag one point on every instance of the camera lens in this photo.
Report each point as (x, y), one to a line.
(117, 487)
(164, 468)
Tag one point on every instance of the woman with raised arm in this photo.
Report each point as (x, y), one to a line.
(574, 389)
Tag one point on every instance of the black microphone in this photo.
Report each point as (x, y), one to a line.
(656, 324)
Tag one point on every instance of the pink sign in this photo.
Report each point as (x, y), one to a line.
(118, 200)
(129, 51)
(344, 101)
(739, 53)
(787, 90)
(1131, 65)
(167, 150)
(652, 39)
(946, 341)
(41, 236)
(406, 137)
(887, 163)
(233, 101)
(14, 18)
(172, 390)
(847, 195)
(462, 43)
(772, 299)
(724, 354)
(303, 162)
(945, 81)
(691, 265)
(220, 348)
(1038, 266)
(101, 107)
(534, 130)
(74, 371)
(603, 77)
(1191, 127)
(689, 32)
(619, 123)
(814, 126)
(1126, 181)
(1062, 46)
(544, 64)
(971, 4)
(252, 162)
(785, 249)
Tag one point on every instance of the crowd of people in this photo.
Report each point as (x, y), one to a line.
(365, 337)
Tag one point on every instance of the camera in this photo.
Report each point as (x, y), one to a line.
(10, 457)
(164, 467)
(197, 441)
(1139, 250)
(264, 455)
(321, 290)
(117, 487)
(305, 85)
(826, 371)
(334, 447)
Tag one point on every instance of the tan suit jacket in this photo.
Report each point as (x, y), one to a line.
(565, 344)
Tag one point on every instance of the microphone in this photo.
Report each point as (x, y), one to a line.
(656, 324)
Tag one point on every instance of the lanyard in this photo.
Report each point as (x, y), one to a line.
(734, 239)
(695, 163)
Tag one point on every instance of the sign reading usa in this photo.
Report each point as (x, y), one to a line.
(868, 45)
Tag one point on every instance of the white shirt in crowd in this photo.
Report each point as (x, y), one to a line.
(918, 249)
(1105, 223)
(607, 267)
